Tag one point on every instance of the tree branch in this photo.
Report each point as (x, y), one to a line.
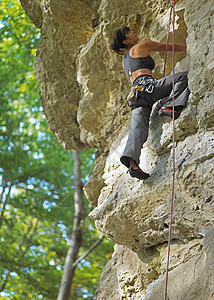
(4, 204)
(4, 281)
(87, 252)
(4, 186)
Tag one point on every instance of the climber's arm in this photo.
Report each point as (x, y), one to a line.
(148, 45)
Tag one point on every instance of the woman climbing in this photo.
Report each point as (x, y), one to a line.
(138, 65)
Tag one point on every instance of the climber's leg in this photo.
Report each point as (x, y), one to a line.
(137, 135)
(181, 92)
(163, 89)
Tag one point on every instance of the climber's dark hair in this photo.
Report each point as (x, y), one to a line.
(119, 37)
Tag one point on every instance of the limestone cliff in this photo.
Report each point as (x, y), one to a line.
(83, 91)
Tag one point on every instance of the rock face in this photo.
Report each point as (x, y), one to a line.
(83, 90)
(55, 65)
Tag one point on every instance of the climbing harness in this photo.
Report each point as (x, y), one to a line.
(172, 12)
(132, 96)
(144, 84)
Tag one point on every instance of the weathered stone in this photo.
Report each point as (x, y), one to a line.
(33, 10)
(191, 280)
(55, 65)
(135, 275)
(108, 285)
(95, 180)
(199, 20)
(142, 209)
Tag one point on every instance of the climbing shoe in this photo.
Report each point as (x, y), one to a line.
(138, 173)
(168, 112)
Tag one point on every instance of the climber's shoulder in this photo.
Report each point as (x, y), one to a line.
(143, 48)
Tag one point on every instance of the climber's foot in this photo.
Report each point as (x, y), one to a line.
(169, 112)
(138, 173)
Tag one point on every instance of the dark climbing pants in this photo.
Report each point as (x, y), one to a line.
(141, 110)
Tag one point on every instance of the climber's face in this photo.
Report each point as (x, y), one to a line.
(131, 38)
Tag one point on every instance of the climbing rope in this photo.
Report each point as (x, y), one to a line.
(172, 5)
(167, 42)
(172, 12)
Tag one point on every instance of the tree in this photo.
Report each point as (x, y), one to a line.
(77, 233)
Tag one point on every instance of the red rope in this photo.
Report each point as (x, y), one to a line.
(173, 122)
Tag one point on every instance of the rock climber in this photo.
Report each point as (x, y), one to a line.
(138, 65)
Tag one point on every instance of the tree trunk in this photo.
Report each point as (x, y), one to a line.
(76, 238)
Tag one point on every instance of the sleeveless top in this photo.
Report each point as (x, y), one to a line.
(132, 64)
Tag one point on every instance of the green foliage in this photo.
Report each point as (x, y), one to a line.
(36, 212)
